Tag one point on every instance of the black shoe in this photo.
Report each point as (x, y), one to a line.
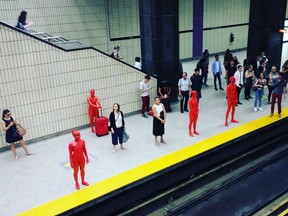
(181, 111)
(221, 88)
(240, 103)
(216, 89)
(186, 110)
(250, 97)
(205, 84)
(246, 98)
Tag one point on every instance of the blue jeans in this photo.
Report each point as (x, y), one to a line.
(258, 97)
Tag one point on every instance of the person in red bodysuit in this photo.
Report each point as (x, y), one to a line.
(77, 151)
(232, 100)
(94, 105)
(193, 113)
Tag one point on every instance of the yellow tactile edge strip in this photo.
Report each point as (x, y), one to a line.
(101, 188)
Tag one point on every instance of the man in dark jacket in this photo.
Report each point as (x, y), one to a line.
(196, 81)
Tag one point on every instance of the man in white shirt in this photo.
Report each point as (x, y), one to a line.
(144, 89)
(184, 87)
(239, 80)
(138, 63)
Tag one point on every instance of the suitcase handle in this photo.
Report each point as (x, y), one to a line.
(100, 114)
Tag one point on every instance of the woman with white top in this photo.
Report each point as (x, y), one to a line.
(158, 120)
(117, 125)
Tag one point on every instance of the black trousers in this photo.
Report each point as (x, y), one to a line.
(270, 89)
(248, 87)
(238, 92)
(185, 98)
(217, 76)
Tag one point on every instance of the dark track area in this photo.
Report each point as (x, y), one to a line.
(245, 196)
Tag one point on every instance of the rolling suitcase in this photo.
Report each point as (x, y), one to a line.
(101, 125)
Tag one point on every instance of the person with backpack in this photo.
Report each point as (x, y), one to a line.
(278, 91)
(196, 82)
(204, 65)
(116, 53)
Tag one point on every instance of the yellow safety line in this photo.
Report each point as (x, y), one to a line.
(103, 187)
(280, 204)
(284, 213)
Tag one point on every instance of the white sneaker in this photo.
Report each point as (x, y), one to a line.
(260, 108)
(255, 109)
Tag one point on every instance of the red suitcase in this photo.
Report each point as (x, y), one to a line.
(101, 125)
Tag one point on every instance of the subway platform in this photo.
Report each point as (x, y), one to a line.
(32, 181)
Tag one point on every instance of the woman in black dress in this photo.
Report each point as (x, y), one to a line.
(158, 120)
(9, 126)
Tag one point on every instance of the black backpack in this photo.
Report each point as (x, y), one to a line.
(199, 64)
(112, 55)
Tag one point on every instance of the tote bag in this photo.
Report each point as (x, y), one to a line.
(125, 136)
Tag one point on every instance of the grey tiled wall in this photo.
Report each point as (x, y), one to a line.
(46, 88)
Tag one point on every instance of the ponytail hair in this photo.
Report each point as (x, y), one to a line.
(5, 112)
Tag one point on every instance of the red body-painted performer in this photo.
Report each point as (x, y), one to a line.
(94, 105)
(77, 155)
(232, 100)
(193, 113)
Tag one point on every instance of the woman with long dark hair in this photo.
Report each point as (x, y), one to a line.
(117, 125)
(9, 126)
(22, 21)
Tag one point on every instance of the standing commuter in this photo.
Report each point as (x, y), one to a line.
(227, 58)
(259, 84)
(158, 120)
(137, 63)
(249, 77)
(196, 83)
(144, 89)
(11, 136)
(205, 67)
(230, 71)
(278, 91)
(117, 125)
(217, 72)
(239, 81)
(272, 75)
(184, 87)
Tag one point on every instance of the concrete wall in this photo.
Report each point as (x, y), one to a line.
(46, 88)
